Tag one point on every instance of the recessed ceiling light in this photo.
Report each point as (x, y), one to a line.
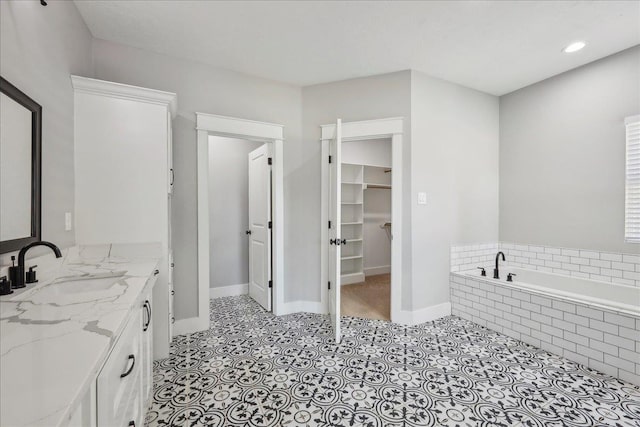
(574, 47)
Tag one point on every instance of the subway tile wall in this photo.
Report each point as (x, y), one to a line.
(609, 267)
(468, 257)
(600, 339)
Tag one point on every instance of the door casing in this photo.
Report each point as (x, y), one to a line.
(211, 124)
(389, 128)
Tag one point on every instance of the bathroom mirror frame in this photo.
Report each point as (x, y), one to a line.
(36, 167)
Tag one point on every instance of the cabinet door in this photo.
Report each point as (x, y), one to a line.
(170, 154)
(171, 293)
(120, 377)
(147, 350)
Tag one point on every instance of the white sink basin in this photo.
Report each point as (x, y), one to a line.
(87, 283)
(72, 285)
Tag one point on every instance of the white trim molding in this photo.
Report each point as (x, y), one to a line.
(304, 307)
(229, 291)
(382, 269)
(123, 91)
(246, 129)
(423, 315)
(190, 325)
(391, 128)
(371, 129)
(211, 124)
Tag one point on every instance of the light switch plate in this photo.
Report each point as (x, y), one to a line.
(67, 221)
(422, 198)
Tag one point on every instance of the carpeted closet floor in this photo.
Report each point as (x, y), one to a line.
(370, 299)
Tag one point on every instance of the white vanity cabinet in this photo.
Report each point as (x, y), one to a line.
(124, 384)
(124, 177)
(120, 380)
(146, 343)
(122, 391)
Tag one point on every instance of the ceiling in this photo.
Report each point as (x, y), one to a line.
(492, 46)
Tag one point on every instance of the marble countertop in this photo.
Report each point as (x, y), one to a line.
(55, 335)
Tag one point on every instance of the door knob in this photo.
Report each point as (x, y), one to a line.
(247, 232)
(343, 241)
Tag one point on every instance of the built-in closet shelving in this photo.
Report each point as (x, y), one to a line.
(355, 180)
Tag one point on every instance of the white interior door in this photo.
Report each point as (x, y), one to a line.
(259, 226)
(335, 171)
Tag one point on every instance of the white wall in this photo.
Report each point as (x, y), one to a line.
(367, 98)
(374, 152)
(562, 156)
(39, 48)
(454, 159)
(229, 210)
(205, 89)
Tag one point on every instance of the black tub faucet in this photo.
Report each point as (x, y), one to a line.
(496, 271)
(17, 275)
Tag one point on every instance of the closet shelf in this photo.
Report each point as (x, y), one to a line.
(351, 183)
(351, 203)
(351, 223)
(351, 257)
(377, 186)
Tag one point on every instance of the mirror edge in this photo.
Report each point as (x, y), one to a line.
(36, 167)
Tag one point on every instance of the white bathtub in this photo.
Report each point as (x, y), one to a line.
(611, 296)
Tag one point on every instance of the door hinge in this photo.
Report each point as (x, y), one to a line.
(270, 224)
(329, 159)
(329, 285)
(269, 161)
(271, 283)
(329, 224)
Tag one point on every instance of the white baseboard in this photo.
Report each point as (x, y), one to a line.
(229, 291)
(302, 306)
(423, 315)
(372, 271)
(352, 278)
(191, 325)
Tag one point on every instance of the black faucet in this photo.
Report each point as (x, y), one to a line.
(496, 271)
(17, 275)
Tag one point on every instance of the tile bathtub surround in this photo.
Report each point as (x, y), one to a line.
(54, 341)
(468, 257)
(600, 339)
(254, 369)
(611, 267)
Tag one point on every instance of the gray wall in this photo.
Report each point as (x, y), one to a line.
(205, 89)
(229, 210)
(562, 156)
(454, 159)
(39, 48)
(366, 98)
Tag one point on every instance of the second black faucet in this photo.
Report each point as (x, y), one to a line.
(496, 271)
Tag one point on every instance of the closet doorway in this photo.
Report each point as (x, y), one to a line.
(361, 190)
(266, 226)
(365, 259)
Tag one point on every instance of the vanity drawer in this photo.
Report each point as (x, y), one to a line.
(133, 413)
(120, 376)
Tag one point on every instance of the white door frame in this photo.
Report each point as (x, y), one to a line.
(211, 124)
(391, 128)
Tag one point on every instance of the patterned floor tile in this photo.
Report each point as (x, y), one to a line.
(255, 369)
